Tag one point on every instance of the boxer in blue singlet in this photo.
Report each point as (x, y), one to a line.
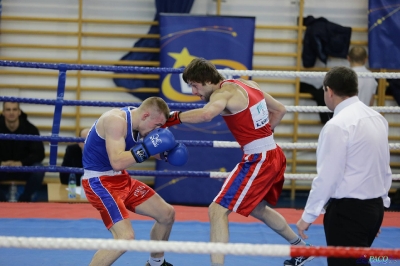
(113, 144)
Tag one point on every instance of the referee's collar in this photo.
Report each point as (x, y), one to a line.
(345, 103)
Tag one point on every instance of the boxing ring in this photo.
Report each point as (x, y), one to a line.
(199, 244)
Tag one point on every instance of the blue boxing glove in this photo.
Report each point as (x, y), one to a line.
(157, 141)
(178, 156)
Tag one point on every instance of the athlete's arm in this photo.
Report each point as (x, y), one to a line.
(114, 130)
(276, 110)
(214, 107)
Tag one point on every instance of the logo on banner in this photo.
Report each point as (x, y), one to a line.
(182, 60)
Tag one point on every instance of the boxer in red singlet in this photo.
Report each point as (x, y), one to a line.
(251, 115)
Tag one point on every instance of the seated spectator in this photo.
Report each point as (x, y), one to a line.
(318, 97)
(366, 86)
(73, 158)
(394, 89)
(20, 152)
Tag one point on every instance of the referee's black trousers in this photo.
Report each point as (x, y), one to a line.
(352, 223)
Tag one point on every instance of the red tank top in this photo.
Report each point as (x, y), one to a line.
(252, 122)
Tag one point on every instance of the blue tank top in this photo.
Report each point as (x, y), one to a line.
(95, 157)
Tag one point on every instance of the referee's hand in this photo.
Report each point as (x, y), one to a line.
(301, 227)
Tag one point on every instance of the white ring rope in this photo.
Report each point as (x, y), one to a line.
(143, 245)
(287, 145)
(287, 176)
(307, 74)
(315, 74)
(324, 109)
(193, 247)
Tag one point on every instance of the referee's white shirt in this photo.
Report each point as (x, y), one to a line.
(352, 158)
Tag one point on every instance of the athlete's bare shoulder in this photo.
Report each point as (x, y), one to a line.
(112, 118)
(227, 89)
(113, 113)
(250, 83)
(237, 99)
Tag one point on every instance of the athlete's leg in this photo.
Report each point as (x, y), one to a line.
(274, 220)
(219, 229)
(277, 222)
(163, 213)
(120, 230)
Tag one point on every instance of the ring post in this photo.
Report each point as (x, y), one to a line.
(62, 75)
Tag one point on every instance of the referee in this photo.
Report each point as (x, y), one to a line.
(354, 176)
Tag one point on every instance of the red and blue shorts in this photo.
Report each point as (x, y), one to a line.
(114, 195)
(256, 178)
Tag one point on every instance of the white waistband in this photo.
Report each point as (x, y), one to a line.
(89, 173)
(260, 145)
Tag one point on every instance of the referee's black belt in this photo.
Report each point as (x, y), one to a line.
(355, 200)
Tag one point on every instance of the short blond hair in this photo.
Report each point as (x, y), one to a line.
(157, 104)
(358, 54)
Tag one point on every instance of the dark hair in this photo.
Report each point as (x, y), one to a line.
(342, 80)
(358, 54)
(4, 103)
(201, 71)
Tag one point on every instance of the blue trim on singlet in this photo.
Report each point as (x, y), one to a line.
(232, 191)
(106, 198)
(129, 139)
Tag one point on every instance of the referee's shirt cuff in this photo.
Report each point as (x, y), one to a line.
(308, 218)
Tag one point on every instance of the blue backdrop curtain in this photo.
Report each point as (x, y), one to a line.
(162, 6)
(226, 41)
(383, 34)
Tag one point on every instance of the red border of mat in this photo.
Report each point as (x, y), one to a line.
(183, 213)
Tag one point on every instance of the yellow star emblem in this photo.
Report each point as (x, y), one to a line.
(182, 59)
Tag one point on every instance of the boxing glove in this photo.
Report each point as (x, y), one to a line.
(157, 141)
(173, 119)
(178, 156)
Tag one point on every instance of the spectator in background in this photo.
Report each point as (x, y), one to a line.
(318, 96)
(394, 89)
(366, 86)
(73, 158)
(20, 153)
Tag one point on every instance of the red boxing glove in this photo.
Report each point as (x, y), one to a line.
(173, 119)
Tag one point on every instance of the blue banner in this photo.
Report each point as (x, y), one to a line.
(228, 43)
(383, 27)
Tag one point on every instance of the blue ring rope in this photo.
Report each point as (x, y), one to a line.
(75, 170)
(60, 102)
(67, 67)
(192, 143)
(178, 106)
